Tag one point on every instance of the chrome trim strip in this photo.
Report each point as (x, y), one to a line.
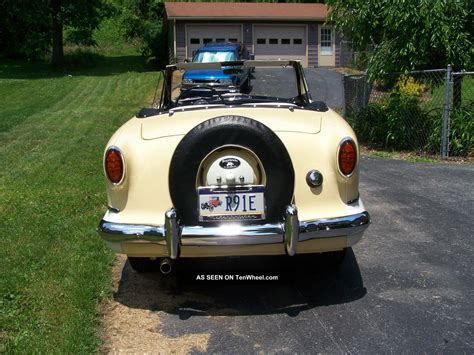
(291, 229)
(289, 233)
(214, 85)
(233, 234)
(121, 232)
(333, 227)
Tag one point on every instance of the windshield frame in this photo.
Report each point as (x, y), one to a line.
(303, 93)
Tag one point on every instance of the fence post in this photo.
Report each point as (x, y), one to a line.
(365, 90)
(343, 85)
(446, 112)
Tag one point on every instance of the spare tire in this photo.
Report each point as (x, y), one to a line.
(230, 130)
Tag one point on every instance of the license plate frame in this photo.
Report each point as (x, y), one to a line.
(214, 203)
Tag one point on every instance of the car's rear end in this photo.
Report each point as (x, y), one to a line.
(305, 203)
(233, 180)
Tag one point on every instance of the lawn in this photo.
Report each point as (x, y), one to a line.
(55, 270)
(436, 99)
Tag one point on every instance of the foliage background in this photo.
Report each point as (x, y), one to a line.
(408, 35)
(27, 27)
(406, 113)
(55, 270)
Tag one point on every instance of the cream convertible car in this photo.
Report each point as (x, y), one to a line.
(208, 173)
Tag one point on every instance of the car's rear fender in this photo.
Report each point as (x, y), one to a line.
(143, 197)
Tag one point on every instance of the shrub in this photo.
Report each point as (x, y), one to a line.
(369, 123)
(80, 57)
(143, 20)
(462, 131)
(396, 122)
(399, 123)
(406, 85)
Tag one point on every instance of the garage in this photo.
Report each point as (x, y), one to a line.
(280, 42)
(198, 35)
(270, 31)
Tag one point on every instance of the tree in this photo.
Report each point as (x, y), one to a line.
(143, 20)
(407, 35)
(29, 28)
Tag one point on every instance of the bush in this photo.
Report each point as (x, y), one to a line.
(361, 60)
(80, 57)
(406, 85)
(143, 21)
(397, 121)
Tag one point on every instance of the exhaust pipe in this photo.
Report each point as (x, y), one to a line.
(165, 266)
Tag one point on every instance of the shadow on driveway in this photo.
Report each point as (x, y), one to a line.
(304, 282)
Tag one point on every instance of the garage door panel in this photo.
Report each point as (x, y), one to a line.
(280, 42)
(198, 35)
(280, 50)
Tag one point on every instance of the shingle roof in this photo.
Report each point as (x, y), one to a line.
(242, 10)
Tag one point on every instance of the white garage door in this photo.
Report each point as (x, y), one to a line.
(280, 42)
(198, 35)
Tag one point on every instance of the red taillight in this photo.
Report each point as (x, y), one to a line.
(114, 165)
(347, 158)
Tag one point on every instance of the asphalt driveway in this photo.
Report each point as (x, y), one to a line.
(407, 286)
(324, 84)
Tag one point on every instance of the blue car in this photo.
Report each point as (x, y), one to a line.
(231, 79)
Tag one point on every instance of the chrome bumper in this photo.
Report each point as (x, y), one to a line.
(216, 86)
(290, 232)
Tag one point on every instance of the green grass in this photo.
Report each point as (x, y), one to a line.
(467, 89)
(435, 100)
(382, 154)
(54, 125)
(398, 155)
(419, 159)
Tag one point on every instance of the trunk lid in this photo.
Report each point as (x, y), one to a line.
(277, 119)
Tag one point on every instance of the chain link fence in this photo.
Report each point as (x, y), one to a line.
(460, 115)
(427, 112)
(347, 56)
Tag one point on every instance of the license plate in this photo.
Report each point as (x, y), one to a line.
(217, 204)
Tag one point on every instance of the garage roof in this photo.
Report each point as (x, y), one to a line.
(245, 10)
